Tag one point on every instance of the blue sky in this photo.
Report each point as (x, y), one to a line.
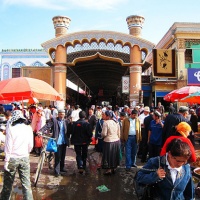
(28, 23)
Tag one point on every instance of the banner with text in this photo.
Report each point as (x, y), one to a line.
(125, 84)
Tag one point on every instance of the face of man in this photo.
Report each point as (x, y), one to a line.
(103, 116)
(146, 113)
(185, 114)
(133, 116)
(90, 112)
(68, 107)
(61, 115)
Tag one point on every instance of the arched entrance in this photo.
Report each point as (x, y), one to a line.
(99, 59)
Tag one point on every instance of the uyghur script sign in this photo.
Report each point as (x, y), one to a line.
(194, 77)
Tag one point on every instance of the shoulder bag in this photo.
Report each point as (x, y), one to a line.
(145, 191)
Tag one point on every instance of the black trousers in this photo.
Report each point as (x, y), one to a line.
(60, 158)
(81, 155)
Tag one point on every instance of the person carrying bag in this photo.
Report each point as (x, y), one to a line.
(173, 178)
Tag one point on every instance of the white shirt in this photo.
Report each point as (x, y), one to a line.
(132, 127)
(141, 118)
(47, 113)
(55, 113)
(19, 141)
(173, 171)
(75, 115)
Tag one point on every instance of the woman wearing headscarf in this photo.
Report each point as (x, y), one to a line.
(99, 138)
(111, 143)
(183, 130)
(18, 145)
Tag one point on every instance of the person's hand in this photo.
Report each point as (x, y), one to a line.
(96, 141)
(6, 166)
(161, 173)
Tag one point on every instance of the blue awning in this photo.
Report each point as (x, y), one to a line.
(161, 94)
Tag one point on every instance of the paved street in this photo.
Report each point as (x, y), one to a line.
(72, 185)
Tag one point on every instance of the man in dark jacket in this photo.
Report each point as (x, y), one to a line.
(68, 111)
(81, 138)
(147, 121)
(171, 121)
(172, 110)
(58, 126)
(92, 119)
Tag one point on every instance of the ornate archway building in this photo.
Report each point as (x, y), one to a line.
(98, 58)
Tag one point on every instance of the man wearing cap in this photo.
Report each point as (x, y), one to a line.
(155, 135)
(145, 149)
(18, 144)
(131, 135)
(59, 126)
(171, 121)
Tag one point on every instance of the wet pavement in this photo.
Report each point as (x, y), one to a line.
(72, 185)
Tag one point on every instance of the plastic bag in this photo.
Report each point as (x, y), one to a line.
(102, 188)
(51, 145)
(38, 141)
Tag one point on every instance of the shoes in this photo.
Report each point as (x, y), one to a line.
(107, 173)
(81, 171)
(57, 174)
(63, 170)
(113, 171)
(134, 166)
(98, 167)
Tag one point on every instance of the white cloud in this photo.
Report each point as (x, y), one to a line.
(47, 4)
(66, 4)
(97, 5)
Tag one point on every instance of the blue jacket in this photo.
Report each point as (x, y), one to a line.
(183, 187)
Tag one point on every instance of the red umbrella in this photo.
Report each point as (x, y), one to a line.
(22, 88)
(178, 94)
(193, 98)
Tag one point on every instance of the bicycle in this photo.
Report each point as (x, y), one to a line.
(44, 157)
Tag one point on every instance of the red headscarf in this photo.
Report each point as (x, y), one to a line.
(183, 139)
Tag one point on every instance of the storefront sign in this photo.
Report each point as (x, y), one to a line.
(194, 77)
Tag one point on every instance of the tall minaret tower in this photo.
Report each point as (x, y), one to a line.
(61, 25)
(135, 23)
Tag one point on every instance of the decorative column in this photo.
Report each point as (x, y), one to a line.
(135, 75)
(61, 24)
(181, 70)
(135, 23)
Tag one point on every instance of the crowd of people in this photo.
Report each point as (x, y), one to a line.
(143, 132)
